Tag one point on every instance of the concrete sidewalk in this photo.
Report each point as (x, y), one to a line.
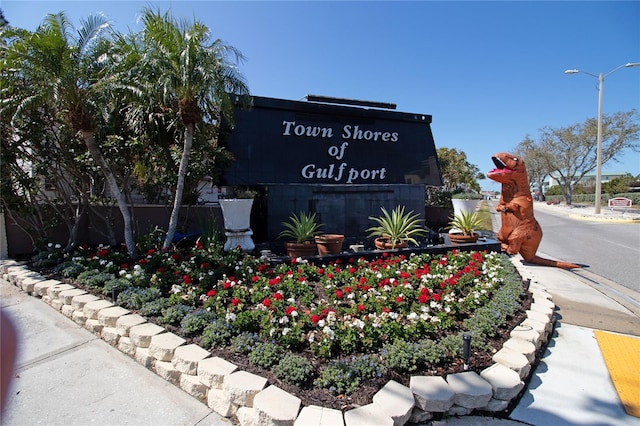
(65, 375)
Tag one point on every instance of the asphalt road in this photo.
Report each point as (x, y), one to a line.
(610, 250)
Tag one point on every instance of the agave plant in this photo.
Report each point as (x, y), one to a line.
(301, 228)
(466, 222)
(397, 226)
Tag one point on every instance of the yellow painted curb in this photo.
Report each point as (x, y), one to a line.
(622, 356)
(604, 219)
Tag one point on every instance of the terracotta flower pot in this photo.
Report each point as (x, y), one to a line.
(329, 243)
(462, 239)
(383, 243)
(305, 249)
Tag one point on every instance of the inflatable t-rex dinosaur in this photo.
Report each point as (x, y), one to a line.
(520, 231)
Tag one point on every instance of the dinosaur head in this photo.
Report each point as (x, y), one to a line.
(507, 165)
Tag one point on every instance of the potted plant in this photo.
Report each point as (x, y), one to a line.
(302, 229)
(236, 213)
(465, 201)
(462, 227)
(329, 243)
(396, 229)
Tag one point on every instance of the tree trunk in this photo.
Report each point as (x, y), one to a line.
(89, 140)
(182, 172)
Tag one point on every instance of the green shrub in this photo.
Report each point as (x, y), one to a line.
(195, 322)
(265, 354)
(134, 298)
(154, 308)
(69, 269)
(294, 369)
(401, 355)
(174, 314)
(115, 286)
(243, 343)
(217, 333)
(94, 278)
(345, 375)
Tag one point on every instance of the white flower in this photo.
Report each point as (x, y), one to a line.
(358, 323)
(175, 289)
(285, 331)
(328, 331)
(50, 245)
(321, 323)
(230, 316)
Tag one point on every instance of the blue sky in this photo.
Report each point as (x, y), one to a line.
(490, 73)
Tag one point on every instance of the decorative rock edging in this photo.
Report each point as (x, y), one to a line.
(230, 392)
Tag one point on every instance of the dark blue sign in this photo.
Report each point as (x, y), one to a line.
(281, 141)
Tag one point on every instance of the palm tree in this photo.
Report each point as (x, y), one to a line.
(195, 76)
(64, 73)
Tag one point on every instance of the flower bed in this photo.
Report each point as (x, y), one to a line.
(343, 327)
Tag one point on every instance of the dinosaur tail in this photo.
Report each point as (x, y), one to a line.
(555, 263)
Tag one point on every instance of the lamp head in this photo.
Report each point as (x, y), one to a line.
(632, 64)
(574, 71)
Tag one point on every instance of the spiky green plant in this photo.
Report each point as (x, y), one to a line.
(301, 228)
(397, 226)
(466, 221)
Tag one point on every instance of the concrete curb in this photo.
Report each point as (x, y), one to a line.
(229, 392)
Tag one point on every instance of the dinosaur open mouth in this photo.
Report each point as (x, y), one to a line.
(500, 166)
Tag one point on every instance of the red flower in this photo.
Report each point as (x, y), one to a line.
(352, 270)
(151, 251)
(423, 298)
(278, 296)
(255, 278)
(262, 267)
(186, 279)
(235, 301)
(436, 297)
(175, 256)
(315, 319)
(339, 294)
(226, 285)
(289, 310)
(142, 261)
(320, 271)
(399, 299)
(347, 289)
(160, 270)
(103, 252)
(211, 293)
(124, 266)
(204, 265)
(361, 308)
(266, 302)
(274, 281)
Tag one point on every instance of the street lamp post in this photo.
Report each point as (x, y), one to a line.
(600, 78)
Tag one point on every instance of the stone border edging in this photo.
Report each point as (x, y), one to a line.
(229, 391)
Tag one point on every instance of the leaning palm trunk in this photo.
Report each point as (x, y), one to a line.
(89, 140)
(182, 172)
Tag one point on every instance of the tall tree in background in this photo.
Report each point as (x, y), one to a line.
(457, 173)
(534, 159)
(569, 153)
(63, 73)
(194, 75)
